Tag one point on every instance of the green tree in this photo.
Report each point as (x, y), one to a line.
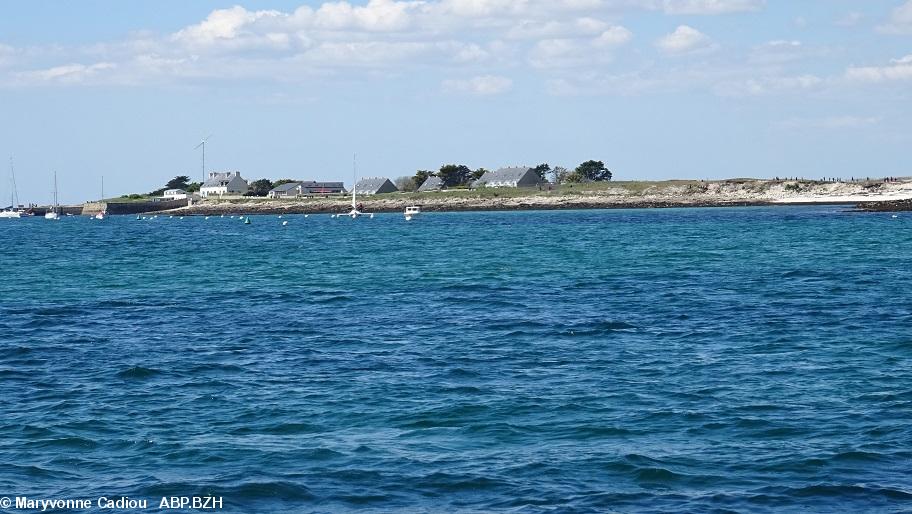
(420, 177)
(574, 177)
(559, 174)
(454, 174)
(406, 184)
(542, 171)
(193, 187)
(260, 187)
(281, 181)
(477, 174)
(594, 171)
(179, 182)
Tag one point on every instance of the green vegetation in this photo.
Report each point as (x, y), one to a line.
(454, 174)
(179, 182)
(260, 187)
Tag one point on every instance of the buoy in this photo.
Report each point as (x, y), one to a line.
(895, 216)
(207, 217)
(247, 221)
(182, 217)
(280, 216)
(284, 223)
(371, 216)
(137, 216)
(306, 215)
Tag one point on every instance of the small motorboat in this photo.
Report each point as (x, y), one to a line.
(412, 212)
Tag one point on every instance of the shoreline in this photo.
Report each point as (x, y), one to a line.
(217, 209)
(864, 196)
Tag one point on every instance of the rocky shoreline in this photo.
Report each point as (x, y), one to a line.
(396, 206)
(886, 206)
(644, 195)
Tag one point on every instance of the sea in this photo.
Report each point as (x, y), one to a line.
(674, 360)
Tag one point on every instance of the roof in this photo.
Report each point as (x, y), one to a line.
(220, 179)
(175, 192)
(431, 183)
(285, 187)
(505, 174)
(371, 183)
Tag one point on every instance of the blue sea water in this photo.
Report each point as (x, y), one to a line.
(701, 360)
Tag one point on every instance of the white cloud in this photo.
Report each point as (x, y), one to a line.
(614, 36)
(482, 86)
(234, 26)
(898, 69)
(776, 84)
(69, 73)
(900, 21)
(684, 40)
(539, 29)
(570, 53)
(711, 6)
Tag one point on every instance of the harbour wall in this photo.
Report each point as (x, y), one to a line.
(114, 208)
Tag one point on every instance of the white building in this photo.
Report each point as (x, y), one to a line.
(175, 194)
(224, 184)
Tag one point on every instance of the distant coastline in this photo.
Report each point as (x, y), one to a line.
(869, 195)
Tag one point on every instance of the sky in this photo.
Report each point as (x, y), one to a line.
(655, 89)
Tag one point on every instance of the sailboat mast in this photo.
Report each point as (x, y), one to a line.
(56, 202)
(354, 181)
(14, 194)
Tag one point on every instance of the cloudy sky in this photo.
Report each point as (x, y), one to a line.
(654, 88)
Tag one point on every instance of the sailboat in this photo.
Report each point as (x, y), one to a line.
(12, 212)
(104, 213)
(356, 210)
(55, 213)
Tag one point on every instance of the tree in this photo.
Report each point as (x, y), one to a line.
(193, 187)
(574, 177)
(420, 177)
(454, 174)
(406, 184)
(542, 171)
(179, 182)
(477, 174)
(281, 181)
(559, 174)
(260, 187)
(593, 170)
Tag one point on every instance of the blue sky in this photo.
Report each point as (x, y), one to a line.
(654, 88)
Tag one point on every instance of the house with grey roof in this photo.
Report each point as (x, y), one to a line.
(431, 183)
(306, 188)
(509, 177)
(375, 186)
(224, 184)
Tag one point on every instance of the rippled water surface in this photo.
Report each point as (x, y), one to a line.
(752, 360)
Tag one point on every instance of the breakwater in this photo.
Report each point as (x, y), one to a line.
(115, 208)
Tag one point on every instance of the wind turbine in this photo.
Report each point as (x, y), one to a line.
(203, 145)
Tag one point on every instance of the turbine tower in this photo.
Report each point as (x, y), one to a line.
(203, 145)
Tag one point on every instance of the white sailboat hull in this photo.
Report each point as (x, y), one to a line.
(10, 214)
(52, 216)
